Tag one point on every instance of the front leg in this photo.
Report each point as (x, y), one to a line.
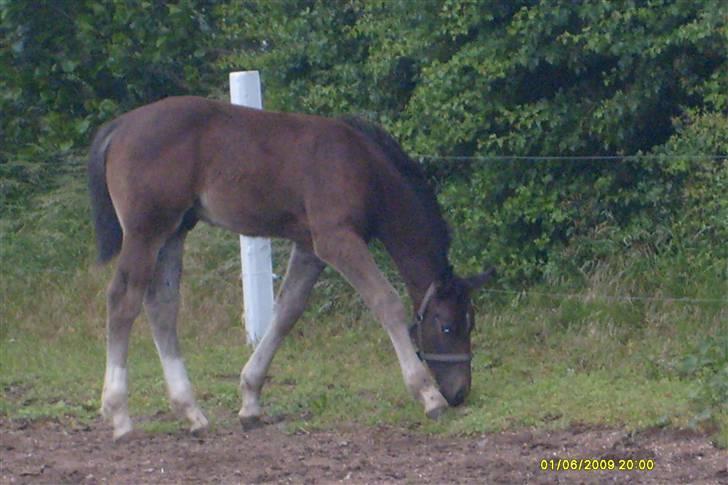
(348, 253)
(304, 269)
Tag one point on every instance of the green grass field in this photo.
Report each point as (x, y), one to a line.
(540, 360)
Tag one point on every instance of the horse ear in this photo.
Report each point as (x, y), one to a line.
(475, 282)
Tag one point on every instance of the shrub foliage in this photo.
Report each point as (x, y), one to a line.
(447, 78)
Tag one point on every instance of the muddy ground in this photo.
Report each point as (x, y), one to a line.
(62, 452)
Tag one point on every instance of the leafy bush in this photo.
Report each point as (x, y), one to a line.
(532, 216)
(68, 66)
(456, 78)
(526, 79)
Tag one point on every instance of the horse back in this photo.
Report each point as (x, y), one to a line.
(254, 172)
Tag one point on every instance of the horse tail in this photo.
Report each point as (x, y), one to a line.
(106, 222)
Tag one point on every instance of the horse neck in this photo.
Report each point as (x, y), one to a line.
(417, 249)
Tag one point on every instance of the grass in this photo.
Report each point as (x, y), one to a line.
(540, 361)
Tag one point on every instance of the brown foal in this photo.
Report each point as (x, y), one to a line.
(328, 185)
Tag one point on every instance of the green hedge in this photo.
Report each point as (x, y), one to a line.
(565, 216)
(68, 66)
(446, 77)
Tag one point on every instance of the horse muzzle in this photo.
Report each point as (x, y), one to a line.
(453, 380)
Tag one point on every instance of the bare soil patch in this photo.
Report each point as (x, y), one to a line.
(62, 452)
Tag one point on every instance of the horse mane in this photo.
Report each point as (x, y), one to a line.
(413, 175)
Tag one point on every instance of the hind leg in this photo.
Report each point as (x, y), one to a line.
(124, 301)
(304, 269)
(161, 303)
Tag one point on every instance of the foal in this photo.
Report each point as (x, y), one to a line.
(328, 185)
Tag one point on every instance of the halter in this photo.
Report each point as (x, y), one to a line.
(449, 358)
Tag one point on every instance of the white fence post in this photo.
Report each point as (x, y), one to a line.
(255, 252)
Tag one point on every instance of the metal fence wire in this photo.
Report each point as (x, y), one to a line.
(722, 302)
(585, 158)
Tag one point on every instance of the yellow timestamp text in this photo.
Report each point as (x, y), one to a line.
(596, 464)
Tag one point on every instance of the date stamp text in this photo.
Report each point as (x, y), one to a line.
(596, 464)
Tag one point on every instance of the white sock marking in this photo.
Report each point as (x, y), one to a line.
(115, 381)
(178, 383)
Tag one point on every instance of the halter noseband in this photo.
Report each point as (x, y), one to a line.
(449, 358)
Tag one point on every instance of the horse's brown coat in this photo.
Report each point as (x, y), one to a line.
(328, 185)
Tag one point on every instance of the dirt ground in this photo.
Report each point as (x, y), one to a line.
(56, 452)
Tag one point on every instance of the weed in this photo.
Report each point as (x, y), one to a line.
(707, 364)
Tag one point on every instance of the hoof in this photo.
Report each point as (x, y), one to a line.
(250, 414)
(123, 433)
(435, 404)
(198, 428)
(249, 423)
(436, 412)
(198, 420)
(120, 421)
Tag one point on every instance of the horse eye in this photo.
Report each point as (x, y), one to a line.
(446, 328)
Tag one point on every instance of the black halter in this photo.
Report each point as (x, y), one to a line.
(449, 358)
